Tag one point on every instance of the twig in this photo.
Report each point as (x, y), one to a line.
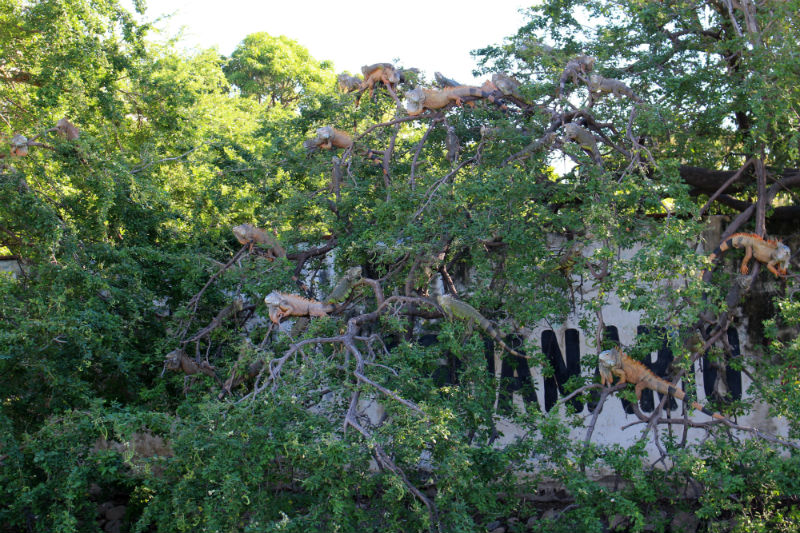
(435, 187)
(724, 186)
(151, 163)
(411, 180)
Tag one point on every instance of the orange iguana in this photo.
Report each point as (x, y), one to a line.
(281, 304)
(329, 138)
(456, 308)
(247, 233)
(615, 362)
(420, 99)
(379, 73)
(772, 253)
(19, 146)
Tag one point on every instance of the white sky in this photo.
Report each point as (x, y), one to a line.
(431, 35)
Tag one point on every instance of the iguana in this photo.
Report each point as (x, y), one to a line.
(600, 85)
(247, 233)
(773, 253)
(615, 362)
(452, 144)
(347, 83)
(19, 145)
(420, 99)
(67, 129)
(443, 81)
(573, 70)
(507, 85)
(379, 73)
(458, 309)
(338, 294)
(345, 284)
(328, 138)
(585, 139)
(281, 304)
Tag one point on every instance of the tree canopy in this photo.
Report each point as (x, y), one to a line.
(161, 372)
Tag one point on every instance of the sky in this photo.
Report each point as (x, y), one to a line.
(430, 35)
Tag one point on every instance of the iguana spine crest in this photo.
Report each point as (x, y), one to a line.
(615, 362)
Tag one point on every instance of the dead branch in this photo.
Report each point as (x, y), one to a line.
(724, 186)
(384, 461)
(191, 306)
(436, 120)
(435, 187)
(234, 307)
(301, 257)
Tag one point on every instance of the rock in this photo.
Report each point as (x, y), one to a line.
(113, 526)
(684, 522)
(550, 514)
(500, 529)
(655, 522)
(618, 522)
(116, 513)
(491, 526)
(532, 521)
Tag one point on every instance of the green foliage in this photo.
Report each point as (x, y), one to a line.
(380, 416)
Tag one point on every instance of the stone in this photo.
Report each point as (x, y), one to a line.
(684, 522)
(618, 522)
(116, 513)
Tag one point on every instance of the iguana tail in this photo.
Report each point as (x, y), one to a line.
(725, 245)
(464, 311)
(664, 387)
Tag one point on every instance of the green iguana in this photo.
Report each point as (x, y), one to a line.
(507, 85)
(600, 85)
(584, 139)
(458, 309)
(443, 81)
(772, 253)
(420, 99)
(573, 70)
(348, 83)
(345, 284)
(247, 233)
(281, 305)
(615, 362)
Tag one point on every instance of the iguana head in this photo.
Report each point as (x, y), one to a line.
(782, 254)
(353, 272)
(572, 130)
(414, 100)
(243, 233)
(505, 83)
(392, 75)
(273, 298)
(606, 362)
(325, 133)
(610, 358)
